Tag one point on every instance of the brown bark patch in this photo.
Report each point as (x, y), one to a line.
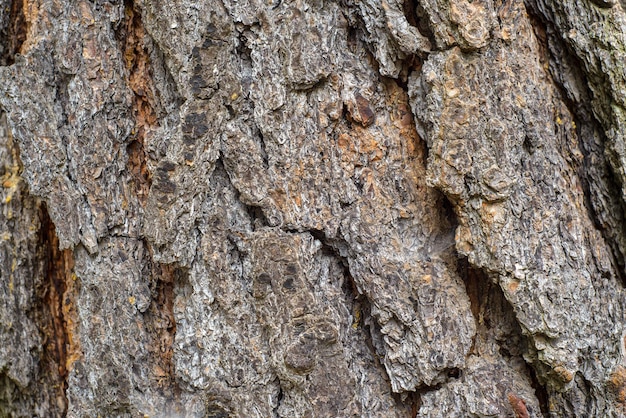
(15, 32)
(402, 119)
(59, 318)
(518, 405)
(137, 62)
(161, 325)
(617, 385)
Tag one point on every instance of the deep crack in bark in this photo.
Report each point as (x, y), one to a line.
(57, 315)
(130, 36)
(13, 31)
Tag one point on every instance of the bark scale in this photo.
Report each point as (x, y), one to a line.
(309, 208)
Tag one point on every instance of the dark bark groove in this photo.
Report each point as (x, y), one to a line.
(298, 209)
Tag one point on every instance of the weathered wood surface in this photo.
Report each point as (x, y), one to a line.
(309, 209)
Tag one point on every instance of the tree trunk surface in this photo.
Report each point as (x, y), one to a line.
(277, 208)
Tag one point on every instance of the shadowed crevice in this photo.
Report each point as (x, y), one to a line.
(280, 398)
(160, 324)
(418, 17)
(495, 319)
(601, 185)
(361, 308)
(540, 391)
(56, 313)
(476, 287)
(131, 37)
(13, 31)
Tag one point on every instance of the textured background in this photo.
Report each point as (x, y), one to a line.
(310, 209)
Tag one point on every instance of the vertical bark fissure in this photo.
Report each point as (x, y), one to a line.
(594, 160)
(13, 35)
(279, 399)
(56, 315)
(540, 391)
(361, 312)
(495, 318)
(474, 288)
(362, 307)
(33, 290)
(612, 234)
(131, 35)
(161, 325)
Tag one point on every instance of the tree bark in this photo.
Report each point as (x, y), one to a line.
(310, 209)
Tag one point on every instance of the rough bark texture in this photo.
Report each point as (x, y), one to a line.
(309, 209)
